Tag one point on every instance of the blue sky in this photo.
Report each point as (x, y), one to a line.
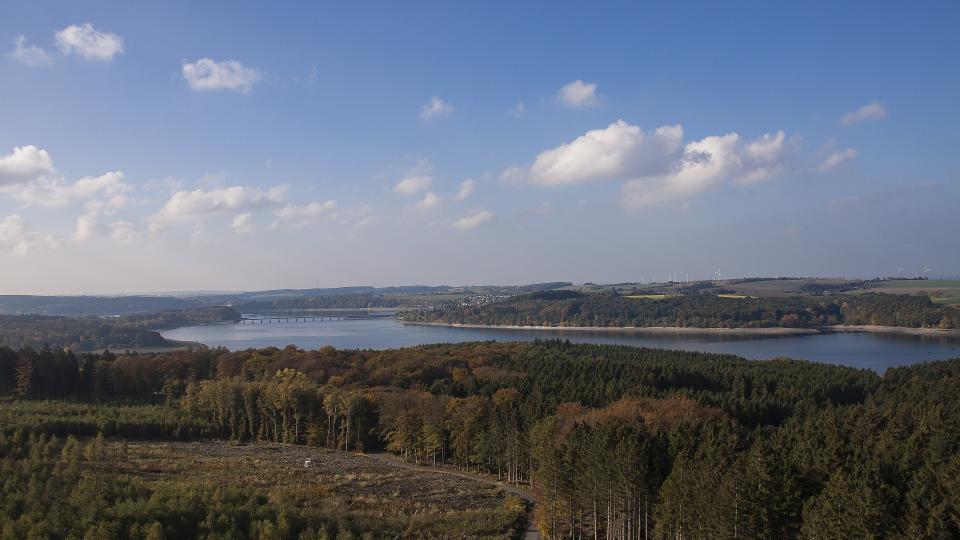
(237, 146)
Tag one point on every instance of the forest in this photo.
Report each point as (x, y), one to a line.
(98, 333)
(567, 308)
(614, 441)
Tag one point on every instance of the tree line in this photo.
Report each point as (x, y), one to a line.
(616, 441)
(565, 308)
(99, 333)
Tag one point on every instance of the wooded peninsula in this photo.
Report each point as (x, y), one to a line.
(574, 309)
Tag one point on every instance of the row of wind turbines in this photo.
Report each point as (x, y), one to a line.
(922, 275)
(675, 276)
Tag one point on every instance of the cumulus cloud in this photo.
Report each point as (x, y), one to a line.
(435, 108)
(293, 216)
(578, 94)
(123, 232)
(513, 175)
(617, 151)
(208, 74)
(413, 183)
(88, 43)
(836, 158)
(656, 166)
(708, 163)
(871, 111)
(57, 193)
(466, 189)
(474, 219)
(87, 226)
(198, 204)
(17, 238)
(430, 200)
(24, 163)
(242, 223)
(29, 55)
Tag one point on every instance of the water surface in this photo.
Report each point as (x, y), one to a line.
(864, 350)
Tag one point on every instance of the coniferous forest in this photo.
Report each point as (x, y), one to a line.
(614, 441)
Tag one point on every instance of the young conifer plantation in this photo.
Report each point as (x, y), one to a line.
(613, 441)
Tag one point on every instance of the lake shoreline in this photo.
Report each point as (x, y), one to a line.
(768, 331)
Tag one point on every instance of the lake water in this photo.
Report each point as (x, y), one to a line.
(864, 350)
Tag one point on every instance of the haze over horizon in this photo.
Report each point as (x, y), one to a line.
(206, 146)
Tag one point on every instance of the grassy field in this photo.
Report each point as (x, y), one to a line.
(945, 291)
(648, 296)
(735, 296)
(422, 504)
(776, 287)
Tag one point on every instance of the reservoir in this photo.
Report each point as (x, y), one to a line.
(863, 350)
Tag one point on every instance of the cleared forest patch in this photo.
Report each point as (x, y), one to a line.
(366, 489)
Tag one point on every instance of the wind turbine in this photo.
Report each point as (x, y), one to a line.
(718, 275)
(899, 272)
(925, 271)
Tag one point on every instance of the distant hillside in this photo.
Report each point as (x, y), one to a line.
(567, 308)
(92, 333)
(89, 305)
(337, 297)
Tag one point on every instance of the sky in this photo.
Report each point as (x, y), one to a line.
(175, 146)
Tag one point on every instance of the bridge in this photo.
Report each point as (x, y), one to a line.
(281, 319)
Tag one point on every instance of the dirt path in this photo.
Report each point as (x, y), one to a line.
(531, 533)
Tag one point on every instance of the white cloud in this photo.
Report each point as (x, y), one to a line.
(109, 204)
(708, 163)
(208, 74)
(242, 223)
(761, 158)
(86, 42)
(517, 111)
(472, 220)
(836, 158)
(87, 226)
(17, 237)
(198, 204)
(55, 192)
(466, 189)
(295, 216)
(29, 55)
(578, 94)
(513, 175)
(656, 166)
(123, 232)
(430, 200)
(871, 111)
(413, 183)
(617, 151)
(25, 163)
(435, 108)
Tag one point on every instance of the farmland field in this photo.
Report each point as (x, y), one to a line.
(945, 291)
(777, 287)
